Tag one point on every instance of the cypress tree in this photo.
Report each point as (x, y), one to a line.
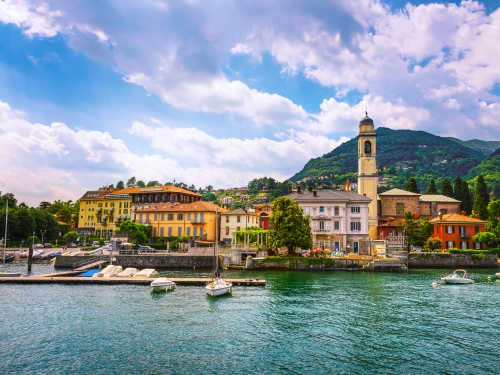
(466, 204)
(432, 189)
(481, 199)
(457, 188)
(446, 188)
(411, 185)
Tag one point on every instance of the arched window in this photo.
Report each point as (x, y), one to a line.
(368, 147)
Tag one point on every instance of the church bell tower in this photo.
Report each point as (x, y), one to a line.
(367, 170)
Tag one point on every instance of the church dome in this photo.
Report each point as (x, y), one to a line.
(366, 120)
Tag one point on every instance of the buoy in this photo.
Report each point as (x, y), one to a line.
(489, 278)
(434, 284)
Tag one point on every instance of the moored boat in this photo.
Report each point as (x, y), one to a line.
(5, 256)
(146, 273)
(127, 272)
(162, 284)
(109, 271)
(219, 287)
(457, 277)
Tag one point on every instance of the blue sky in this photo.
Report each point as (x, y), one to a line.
(222, 92)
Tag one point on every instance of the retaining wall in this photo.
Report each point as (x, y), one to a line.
(447, 260)
(158, 261)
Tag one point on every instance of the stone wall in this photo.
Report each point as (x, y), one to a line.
(433, 208)
(388, 204)
(158, 261)
(447, 260)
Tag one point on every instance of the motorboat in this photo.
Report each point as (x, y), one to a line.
(127, 272)
(37, 254)
(457, 277)
(497, 275)
(109, 271)
(9, 258)
(53, 255)
(146, 273)
(161, 284)
(218, 287)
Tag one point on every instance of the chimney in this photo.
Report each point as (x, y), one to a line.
(440, 216)
(310, 189)
(464, 213)
(347, 185)
(298, 189)
(315, 193)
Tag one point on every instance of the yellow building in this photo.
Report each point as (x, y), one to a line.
(196, 219)
(102, 211)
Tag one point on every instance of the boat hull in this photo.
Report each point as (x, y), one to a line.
(215, 289)
(457, 281)
(10, 274)
(162, 284)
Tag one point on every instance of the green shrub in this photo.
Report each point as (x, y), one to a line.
(158, 246)
(477, 256)
(329, 262)
(470, 251)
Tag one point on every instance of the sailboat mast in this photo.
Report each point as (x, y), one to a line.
(5, 238)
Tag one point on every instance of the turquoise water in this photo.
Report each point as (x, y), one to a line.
(300, 323)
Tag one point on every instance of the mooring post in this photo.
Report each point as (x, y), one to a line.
(30, 257)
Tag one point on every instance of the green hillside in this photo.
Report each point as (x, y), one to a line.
(485, 147)
(401, 154)
(489, 169)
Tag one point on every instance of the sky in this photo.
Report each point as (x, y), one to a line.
(220, 92)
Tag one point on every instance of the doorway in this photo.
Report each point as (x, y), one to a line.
(355, 246)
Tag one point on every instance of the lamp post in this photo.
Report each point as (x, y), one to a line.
(43, 232)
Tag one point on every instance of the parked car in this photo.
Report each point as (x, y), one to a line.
(146, 249)
(72, 245)
(37, 246)
(47, 245)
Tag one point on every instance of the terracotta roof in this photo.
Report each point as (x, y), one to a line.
(437, 198)
(329, 195)
(156, 189)
(398, 192)
(457, 218)
(95, 194)
(240, 211)
(184, 207)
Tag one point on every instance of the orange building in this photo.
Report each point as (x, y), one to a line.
(457, 230)
(264, 210)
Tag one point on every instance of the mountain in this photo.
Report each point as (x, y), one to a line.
(401, 154)
(485, 147)
(489, 169)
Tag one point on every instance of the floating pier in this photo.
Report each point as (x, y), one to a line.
(70, 278)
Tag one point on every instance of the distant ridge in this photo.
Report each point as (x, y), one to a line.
(401, 154)
(485, 147)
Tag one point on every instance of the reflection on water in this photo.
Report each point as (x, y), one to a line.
(301, 322)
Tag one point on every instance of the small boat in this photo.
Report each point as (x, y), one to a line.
(37, 254)
(53, 255)
(109, 271)
(161, 284)
(127, 272)
(9, 258)
(146, 273)
(497, 275)
(458, 277)
(219, 287)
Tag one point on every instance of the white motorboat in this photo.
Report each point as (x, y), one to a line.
(109, 271)
(219, 287)
(127, 272)
(3, 273)
(497, 275)
(161, 284)
(458, 277)
(37, 254)
(146, 273)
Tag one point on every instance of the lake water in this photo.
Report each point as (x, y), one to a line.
(300, 323)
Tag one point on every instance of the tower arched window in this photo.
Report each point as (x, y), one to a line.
(368, 147)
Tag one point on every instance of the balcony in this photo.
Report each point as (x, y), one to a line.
(325, 230)
(464, 235)
(198, 222)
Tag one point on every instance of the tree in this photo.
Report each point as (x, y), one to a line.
(120, 185)
(481, 199)
(209, 188)
(411, 185)
(140, 183)
(488, 238)
(153, 183)
(70, 237)
(208, 197)
(496, 191)
(457, 188)
(433, 244)
(466, 204)
(291, 228)
(432, 189)
(32, 239)
(131, 182)
(446, 188)
(64, 215)
(168, 184)
(43, 205)
(492, 234)
(138, 232)
(416, 230)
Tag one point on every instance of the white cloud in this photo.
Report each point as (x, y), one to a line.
(57, 162)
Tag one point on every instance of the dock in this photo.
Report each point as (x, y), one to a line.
(68, 278)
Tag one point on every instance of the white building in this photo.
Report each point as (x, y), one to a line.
(339, 219)
(226, 200)
(235, 220)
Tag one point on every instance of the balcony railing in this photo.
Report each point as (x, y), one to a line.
(464, 235)
(322, 230)
(198, 221)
